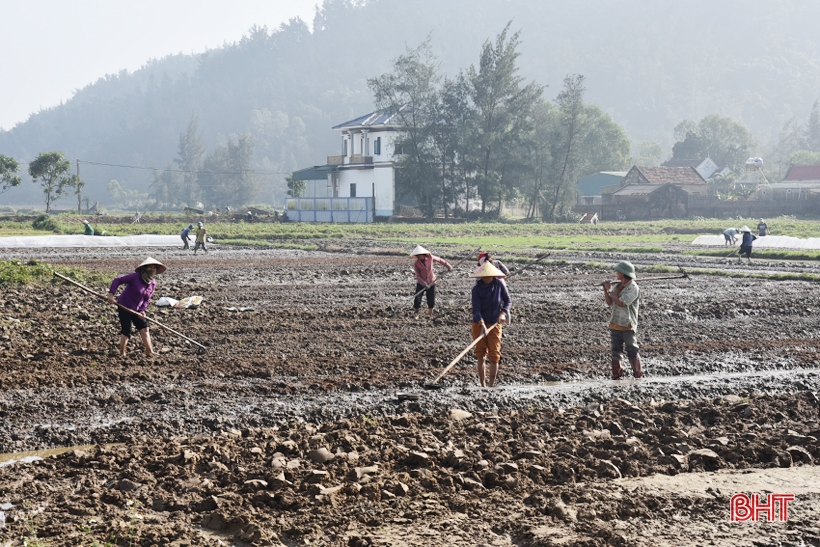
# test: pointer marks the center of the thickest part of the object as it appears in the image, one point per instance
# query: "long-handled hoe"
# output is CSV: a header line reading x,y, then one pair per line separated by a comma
x,y
91,291
445,273
434,383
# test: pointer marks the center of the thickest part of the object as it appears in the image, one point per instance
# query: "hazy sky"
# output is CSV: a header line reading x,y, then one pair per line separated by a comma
x,y
52,47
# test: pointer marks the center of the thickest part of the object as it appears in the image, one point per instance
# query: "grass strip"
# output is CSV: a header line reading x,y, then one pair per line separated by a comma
x,y
16,272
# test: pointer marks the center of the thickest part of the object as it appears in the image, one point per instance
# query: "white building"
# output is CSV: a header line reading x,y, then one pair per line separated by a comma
x,y
356,185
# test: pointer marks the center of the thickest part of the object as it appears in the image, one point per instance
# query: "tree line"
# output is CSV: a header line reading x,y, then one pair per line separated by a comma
x,y
486,136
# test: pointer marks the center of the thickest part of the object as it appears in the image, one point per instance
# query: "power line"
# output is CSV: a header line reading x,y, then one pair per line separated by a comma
x,y
252,171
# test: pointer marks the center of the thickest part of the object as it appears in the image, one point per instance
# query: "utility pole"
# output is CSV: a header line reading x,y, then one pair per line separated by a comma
x,y
79,200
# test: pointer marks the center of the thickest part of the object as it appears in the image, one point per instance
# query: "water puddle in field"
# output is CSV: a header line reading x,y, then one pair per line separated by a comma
x,y
33,455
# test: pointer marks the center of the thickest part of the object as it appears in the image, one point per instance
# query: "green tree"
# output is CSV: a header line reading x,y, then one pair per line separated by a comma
x,y
165,186
805,157
8,173
649,154
227,177
813,129
570,139
77,184
52,170
190,154
570,129
295,187
410,93
724,140
502,109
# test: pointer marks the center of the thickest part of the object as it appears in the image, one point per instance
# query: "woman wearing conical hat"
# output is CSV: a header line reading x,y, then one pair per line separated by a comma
x,y
426,277
491,306
139,286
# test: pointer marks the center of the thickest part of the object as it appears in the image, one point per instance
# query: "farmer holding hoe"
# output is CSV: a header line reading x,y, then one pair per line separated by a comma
x,y
426,277
139,286
746,244
485,256
186,237
624,301
200,237
491,309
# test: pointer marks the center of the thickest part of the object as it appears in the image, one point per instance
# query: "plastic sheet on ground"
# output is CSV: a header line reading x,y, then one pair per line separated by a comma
x,y
145,240
189,302
764,242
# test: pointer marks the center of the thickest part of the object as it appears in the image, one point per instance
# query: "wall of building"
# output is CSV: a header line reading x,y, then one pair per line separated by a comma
x,y
372,181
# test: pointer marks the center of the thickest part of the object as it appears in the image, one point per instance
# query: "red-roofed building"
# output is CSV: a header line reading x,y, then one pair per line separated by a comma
x,y
803,173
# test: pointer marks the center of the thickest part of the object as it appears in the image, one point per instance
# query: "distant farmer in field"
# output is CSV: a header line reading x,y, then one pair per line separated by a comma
x,y
426,277
485,256
730,234
186,236
89,231
491,306
200,237
624,301
139,286
746,244
762,228
136,218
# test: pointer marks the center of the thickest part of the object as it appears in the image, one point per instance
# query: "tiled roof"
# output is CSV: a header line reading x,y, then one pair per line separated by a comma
x,y
379,118
671,175
636,190
695,189
803,172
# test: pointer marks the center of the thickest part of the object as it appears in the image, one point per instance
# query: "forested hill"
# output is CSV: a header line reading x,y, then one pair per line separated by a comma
x,y
648,64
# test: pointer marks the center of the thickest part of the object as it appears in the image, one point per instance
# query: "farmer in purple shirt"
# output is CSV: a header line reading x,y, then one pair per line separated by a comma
x,y
491,308
139,286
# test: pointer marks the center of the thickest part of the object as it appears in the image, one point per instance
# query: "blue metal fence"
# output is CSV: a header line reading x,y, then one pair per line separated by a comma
x,y
330,209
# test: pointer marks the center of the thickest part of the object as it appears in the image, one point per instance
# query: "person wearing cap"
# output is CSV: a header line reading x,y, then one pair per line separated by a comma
x,y
485,256
624,301
139,286
746,244
730,234
89,231
200,237
762,228
491,309
185,235
426,277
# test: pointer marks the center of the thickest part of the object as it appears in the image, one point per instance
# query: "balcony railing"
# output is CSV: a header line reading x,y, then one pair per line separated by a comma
x,y
335,160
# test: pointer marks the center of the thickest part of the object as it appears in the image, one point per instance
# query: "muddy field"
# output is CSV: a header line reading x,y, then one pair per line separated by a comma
x,y
290,429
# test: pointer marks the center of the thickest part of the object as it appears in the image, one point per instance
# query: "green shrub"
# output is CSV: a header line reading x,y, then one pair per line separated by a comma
x,y
44,222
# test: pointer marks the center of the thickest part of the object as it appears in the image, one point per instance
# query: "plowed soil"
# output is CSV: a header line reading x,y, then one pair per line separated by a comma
x,y
307,421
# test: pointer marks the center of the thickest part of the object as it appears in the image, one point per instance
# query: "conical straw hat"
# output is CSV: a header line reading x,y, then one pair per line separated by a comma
x,y
487,270
160,266
419,250
745,229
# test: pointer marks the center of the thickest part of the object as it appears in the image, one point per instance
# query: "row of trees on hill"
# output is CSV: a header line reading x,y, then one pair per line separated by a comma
x,y
221,178
486,136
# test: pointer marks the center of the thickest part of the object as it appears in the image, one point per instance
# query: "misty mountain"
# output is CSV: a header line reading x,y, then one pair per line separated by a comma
x,y
649,65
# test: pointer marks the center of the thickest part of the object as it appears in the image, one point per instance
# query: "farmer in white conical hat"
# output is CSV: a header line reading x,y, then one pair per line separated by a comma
x,y
139,286
491,306
426,277
746,244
